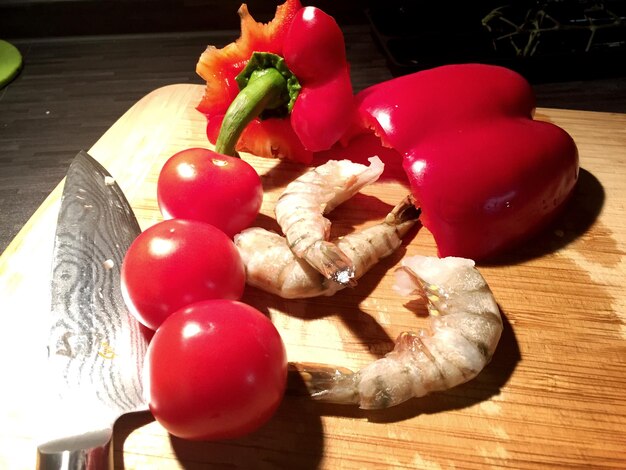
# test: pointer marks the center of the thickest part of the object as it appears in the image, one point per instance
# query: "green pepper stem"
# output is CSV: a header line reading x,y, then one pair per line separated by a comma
x,y
262,91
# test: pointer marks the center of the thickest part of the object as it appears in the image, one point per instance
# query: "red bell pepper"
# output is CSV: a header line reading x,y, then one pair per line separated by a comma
x,y
485,174
293,99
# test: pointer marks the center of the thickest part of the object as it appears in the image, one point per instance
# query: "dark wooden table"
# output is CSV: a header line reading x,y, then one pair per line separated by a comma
x,y
72,89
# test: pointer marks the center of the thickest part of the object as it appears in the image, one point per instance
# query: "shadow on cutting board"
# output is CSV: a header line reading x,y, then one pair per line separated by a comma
x,y
293,438
293,434
124,427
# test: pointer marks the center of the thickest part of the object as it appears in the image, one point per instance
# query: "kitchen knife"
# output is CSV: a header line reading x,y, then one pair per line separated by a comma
x,y
95,347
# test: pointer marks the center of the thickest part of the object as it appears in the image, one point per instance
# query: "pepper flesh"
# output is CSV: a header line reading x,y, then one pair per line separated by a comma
x,y
313,48
485,174
314,51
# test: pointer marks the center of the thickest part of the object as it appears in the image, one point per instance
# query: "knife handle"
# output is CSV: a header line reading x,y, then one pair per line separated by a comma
x,y
95,458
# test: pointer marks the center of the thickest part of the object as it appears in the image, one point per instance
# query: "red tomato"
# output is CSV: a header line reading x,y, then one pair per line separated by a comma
x,y
200,184
178,262
215,370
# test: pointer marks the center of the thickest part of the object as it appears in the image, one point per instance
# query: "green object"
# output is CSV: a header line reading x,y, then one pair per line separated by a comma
x,y
261,61
10,62
262,90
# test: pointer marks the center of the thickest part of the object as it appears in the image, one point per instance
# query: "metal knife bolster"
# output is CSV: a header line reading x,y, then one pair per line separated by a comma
x,y
95,347
99,456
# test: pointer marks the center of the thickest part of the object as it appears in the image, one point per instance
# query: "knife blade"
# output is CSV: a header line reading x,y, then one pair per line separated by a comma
x,y
95,346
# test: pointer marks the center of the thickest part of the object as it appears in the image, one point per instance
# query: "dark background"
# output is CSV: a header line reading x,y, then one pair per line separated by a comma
x,y
87,61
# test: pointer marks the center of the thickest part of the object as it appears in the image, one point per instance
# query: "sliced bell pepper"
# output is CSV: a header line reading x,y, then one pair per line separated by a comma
x,y
282,89
485,174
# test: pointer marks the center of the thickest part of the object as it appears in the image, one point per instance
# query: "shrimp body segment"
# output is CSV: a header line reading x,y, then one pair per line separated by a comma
x,y
300,212
465,327
272,266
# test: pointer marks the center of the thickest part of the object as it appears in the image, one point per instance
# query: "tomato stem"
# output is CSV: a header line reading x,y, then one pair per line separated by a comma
x,y
267,89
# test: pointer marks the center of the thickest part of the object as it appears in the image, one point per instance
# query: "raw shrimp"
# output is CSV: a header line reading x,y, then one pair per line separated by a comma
x,y
465,327
273,267
300,213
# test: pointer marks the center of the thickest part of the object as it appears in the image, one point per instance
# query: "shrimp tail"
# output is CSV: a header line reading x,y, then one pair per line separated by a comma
x,y
382,384
327,383
367,247
331,262
405,213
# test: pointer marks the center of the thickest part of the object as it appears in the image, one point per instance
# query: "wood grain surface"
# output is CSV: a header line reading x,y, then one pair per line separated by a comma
x,y
552,397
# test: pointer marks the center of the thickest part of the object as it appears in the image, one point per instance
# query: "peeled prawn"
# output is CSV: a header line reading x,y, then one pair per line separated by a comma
x,y
273,267
465,327
300,213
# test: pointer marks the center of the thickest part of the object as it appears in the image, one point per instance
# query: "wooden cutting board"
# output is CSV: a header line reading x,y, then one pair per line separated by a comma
x,y
553,395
